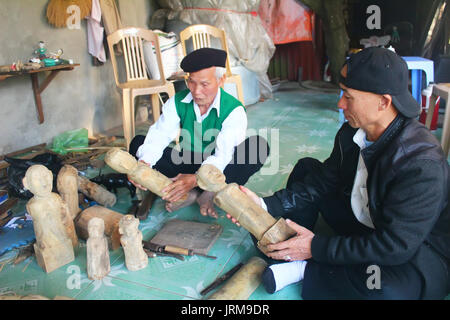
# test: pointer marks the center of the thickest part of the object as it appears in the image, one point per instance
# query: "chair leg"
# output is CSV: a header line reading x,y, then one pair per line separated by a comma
x,y
430,111
445,139
171,89
132,115
155,106
240,92
236,80
126,118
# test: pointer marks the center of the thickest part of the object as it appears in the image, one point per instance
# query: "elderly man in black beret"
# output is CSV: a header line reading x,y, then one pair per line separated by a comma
x,y
383,190
213,131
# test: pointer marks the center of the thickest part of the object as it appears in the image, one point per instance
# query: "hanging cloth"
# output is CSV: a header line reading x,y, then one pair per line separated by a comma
x,y
95,32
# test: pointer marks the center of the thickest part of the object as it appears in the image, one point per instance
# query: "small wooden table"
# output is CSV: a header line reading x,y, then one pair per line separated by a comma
x,y
442,90
38,89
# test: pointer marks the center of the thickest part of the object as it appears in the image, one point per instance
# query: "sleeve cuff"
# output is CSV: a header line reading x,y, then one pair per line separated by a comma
x,y
273,205
213,160
148,157
319,245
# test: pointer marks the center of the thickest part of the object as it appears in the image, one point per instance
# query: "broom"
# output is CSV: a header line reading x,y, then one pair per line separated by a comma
x,y
57,14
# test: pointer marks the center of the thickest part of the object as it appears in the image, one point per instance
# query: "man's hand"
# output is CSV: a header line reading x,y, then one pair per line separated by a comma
x,y
182,184
252,196
137,185
295,248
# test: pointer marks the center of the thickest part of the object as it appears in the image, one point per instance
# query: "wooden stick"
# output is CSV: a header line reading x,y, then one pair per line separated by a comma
x,y
91,148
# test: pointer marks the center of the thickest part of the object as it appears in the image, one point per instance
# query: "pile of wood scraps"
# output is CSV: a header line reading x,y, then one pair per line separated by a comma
x,y
97,147
77,158
80,159
6,204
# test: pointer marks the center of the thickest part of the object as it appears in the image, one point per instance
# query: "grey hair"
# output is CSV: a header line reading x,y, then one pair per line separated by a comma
x,y
220,72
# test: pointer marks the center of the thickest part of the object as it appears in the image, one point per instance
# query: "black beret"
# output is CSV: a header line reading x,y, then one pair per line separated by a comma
x,y
203,58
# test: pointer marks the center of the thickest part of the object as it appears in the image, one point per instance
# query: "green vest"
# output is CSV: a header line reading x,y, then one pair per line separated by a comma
x,y
201,136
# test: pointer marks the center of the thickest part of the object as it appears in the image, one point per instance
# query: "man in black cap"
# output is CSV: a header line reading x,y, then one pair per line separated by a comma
x,y
383,190
213,131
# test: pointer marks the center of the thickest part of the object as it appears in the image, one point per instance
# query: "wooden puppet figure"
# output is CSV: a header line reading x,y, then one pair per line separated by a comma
x,y
67,185
98,265
153,180
53,247
131,240
251,216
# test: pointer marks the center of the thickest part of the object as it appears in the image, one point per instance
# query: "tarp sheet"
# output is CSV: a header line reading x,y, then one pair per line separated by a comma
x,y
286,21
248,42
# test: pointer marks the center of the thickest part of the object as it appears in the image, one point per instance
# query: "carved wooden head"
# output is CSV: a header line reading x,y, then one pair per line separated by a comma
x,y
210,178
39,180
128,225
120,160
96,227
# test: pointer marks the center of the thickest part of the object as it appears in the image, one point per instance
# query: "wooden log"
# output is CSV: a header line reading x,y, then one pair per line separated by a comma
x,y
67,185
242,284
96,192
139,172
250,216
111,219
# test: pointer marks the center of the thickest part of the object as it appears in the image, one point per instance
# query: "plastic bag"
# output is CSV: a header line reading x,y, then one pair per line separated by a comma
x,y
249,44
73,139
171,55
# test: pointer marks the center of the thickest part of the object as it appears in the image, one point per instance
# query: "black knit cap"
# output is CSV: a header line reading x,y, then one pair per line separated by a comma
x,y
381,71
203,58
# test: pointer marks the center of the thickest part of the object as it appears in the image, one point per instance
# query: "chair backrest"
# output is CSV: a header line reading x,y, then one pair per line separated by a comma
x,y
201,38
132,40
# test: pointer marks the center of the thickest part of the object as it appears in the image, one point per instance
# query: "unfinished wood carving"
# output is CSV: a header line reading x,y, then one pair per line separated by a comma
x,y
98,265
251,216
53,247
131,240
67,185
111,219
242,284
139,172
96,192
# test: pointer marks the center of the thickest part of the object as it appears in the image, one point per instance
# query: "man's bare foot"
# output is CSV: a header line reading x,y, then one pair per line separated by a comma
x,y
205,201
174,206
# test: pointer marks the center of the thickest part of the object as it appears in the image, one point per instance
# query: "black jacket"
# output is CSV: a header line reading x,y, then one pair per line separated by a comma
x,y
408,187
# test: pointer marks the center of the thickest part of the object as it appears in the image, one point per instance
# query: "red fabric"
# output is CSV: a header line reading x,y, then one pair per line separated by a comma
x,y
253,13
295,55
286,21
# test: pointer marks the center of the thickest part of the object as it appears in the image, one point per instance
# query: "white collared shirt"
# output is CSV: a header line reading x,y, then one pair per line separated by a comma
x,y
359,197
166,129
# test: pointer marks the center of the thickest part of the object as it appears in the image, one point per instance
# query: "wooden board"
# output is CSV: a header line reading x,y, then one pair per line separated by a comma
x,y
188,234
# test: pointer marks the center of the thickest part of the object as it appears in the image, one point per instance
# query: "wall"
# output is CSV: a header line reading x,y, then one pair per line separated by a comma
x,y
86,97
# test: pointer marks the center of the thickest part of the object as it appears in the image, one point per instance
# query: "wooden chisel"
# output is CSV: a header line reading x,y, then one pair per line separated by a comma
x,y
186,252
173,249
221,279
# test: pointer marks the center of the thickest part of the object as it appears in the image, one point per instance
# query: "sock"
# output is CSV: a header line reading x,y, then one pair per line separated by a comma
x,y
278,276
